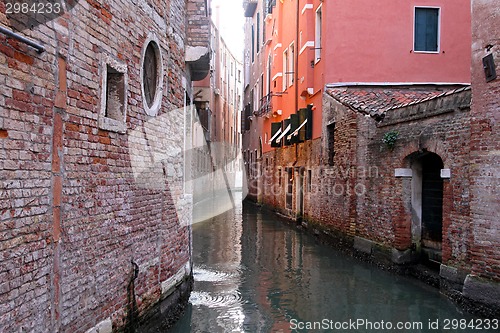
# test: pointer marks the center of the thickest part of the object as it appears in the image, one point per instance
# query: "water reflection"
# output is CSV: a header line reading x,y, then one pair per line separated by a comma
x,y
254,274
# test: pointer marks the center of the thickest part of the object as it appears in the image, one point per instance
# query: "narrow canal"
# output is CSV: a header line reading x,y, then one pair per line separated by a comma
x,y
253,273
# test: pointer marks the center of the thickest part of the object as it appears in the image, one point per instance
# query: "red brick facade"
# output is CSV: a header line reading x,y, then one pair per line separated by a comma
x,y
84,245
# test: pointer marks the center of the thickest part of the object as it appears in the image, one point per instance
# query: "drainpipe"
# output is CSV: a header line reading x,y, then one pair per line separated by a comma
x,y
40,48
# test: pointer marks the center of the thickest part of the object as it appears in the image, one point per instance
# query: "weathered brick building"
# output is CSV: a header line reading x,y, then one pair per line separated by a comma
x,y
94,211
400,169
484,281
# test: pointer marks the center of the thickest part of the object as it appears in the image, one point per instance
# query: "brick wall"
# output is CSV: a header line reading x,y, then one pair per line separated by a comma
x,y
73,216
385,211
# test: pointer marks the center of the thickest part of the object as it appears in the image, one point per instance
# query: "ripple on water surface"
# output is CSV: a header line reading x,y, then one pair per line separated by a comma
x,y
208,275
211,300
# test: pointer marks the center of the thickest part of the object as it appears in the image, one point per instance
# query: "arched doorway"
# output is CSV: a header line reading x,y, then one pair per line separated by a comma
x,y
427,205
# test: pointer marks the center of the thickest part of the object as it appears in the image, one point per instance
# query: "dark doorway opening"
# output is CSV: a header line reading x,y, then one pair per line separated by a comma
x,y
300,194
289,188
432,207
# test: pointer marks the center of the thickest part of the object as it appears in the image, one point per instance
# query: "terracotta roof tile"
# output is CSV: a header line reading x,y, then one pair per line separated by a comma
x,y
380,99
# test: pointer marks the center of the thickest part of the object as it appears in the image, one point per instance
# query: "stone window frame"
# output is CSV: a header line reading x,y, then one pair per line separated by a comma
x,y
104,122
155,107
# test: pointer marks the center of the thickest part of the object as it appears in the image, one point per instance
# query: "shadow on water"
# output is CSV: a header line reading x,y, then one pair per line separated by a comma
x,y
253,273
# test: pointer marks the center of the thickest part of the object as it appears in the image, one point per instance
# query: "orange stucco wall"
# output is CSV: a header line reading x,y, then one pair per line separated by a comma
x,y
362,41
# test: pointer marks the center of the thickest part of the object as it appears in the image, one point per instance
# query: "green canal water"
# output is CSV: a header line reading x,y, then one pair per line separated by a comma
x,y
253,273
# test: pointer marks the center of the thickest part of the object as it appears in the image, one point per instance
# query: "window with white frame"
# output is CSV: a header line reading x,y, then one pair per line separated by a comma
x,y
152,75
426,29
285,69
318,33
269,73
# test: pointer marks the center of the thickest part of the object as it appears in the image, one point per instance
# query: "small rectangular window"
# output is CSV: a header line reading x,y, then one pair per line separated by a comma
x,y
309,180
258,33
426,38
330,130
115,90
113,112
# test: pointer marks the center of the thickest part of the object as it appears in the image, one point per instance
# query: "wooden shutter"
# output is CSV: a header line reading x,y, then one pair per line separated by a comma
x,y
309,125
275,127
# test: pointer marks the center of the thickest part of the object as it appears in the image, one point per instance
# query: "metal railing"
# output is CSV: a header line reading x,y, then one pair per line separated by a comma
x,y
265,106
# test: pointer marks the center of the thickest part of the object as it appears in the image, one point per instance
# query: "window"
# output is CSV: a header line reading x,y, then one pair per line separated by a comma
x,y
151,76
115,93
285,69
113,111
426,38
269,74
250,165
253,45
256,99
289,188
309,180
317,36
258,33
263,32
291,66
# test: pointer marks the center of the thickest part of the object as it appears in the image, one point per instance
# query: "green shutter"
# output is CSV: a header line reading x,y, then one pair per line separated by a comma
x,y
309,125
275,127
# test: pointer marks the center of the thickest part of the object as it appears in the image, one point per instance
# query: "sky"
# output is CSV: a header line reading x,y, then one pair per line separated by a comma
x,y
231,24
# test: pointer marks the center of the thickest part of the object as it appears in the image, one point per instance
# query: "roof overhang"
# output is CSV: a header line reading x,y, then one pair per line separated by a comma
x,y
198,60
250,6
